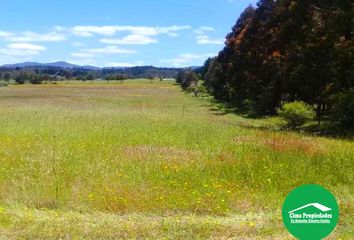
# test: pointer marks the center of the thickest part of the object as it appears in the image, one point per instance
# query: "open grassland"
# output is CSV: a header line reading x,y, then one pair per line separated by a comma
x,y
145,160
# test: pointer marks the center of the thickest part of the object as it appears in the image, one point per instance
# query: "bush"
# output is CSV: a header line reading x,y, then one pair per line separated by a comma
x,y
343,109
187,78
296,113
197,90
20,79
4,84
35,80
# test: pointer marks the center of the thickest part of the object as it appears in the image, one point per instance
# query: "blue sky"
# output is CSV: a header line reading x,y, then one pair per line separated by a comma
x,y
116,33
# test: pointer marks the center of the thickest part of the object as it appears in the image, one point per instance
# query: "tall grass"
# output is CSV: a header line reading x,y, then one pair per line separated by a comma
x,y
148,148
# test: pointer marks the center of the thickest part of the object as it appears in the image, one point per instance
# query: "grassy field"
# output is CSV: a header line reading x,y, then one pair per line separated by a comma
x,y
140,160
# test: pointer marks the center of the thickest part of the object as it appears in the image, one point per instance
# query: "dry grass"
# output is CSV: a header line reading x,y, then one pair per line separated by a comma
x,y
284,142
291,142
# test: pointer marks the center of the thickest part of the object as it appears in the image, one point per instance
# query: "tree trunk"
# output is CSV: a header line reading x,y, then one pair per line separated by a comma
x,y
319,113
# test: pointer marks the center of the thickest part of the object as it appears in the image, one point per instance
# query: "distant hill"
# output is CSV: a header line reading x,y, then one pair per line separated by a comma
x,y
60,64
66,65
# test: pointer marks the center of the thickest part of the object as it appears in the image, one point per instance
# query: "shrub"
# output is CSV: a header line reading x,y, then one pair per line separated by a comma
x,y
4,84
187,78
197,90
35,80
343,109
296,113
20,79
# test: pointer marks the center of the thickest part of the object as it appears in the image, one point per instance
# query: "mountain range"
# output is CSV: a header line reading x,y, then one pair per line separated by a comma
x,y
66,65
60,64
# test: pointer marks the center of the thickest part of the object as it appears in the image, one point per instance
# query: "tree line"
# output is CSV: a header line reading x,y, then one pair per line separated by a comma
x,y
37,75
285,51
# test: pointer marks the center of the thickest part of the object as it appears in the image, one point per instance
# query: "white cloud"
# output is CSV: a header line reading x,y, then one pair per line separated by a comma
x,y
203,39
130,40
109,50
82,55
59,28
120,64
22,49
203,30
139,63
172,31
173,34
26,46
186,59
82,62
124,64
17,52
88,31
29,36
4,34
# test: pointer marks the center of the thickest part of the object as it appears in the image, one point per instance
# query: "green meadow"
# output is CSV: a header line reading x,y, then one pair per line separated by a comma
x,y
141,159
